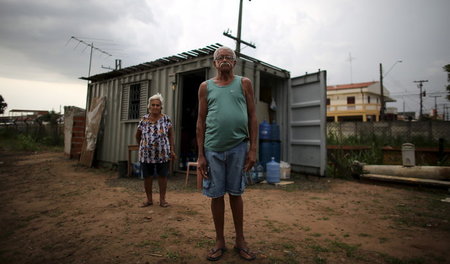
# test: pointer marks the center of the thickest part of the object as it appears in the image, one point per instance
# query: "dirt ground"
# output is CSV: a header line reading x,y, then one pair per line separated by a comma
x,y
55,211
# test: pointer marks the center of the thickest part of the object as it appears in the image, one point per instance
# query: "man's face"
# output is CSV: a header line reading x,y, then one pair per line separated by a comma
x,y
224,60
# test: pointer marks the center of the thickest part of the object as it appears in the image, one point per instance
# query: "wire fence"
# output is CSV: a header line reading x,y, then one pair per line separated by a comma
x,y
43,132
389,133
381,142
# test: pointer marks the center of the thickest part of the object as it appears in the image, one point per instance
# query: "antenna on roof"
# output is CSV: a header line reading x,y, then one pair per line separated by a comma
x,y
91,45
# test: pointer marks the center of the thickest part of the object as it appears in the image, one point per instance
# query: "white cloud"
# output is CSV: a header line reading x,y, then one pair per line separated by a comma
x,y
299,36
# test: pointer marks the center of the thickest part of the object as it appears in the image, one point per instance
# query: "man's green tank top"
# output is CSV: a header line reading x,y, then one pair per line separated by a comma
x,y
226,120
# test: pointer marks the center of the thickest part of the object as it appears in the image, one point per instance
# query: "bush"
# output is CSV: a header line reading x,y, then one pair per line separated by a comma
x,y
26,142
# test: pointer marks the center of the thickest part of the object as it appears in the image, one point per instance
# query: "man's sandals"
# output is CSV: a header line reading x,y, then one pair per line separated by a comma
x,y
164,204
245,253
213,252
146,204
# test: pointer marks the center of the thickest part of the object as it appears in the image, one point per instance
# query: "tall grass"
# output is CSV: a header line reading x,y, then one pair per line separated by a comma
x,y
14,140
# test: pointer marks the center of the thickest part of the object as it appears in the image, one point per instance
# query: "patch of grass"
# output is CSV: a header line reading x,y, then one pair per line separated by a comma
x,y
316,234
204,243
154,245
143,243
329,210
275,226
393,260
348,249
173,256
305,228
383,240
171,232
364,235
13,140
288,246
285,260
318,248
319,260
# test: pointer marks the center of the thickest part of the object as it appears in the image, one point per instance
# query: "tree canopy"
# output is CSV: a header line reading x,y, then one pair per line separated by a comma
x,y
3,105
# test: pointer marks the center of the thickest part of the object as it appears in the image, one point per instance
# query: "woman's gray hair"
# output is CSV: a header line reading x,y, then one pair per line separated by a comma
x,y
156,96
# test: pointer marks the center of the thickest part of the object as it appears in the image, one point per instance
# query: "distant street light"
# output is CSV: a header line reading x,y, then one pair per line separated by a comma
x,y
383,107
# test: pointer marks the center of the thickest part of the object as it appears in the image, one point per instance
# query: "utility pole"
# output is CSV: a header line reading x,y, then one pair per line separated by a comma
x,y
350,59
383,107
238,38
420,85
381,94
435,105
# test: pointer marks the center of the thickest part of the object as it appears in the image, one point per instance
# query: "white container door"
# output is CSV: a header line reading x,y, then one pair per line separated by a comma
x,y
307,122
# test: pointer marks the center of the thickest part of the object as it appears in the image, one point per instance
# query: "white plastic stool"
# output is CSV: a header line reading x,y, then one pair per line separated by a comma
x,y
189,164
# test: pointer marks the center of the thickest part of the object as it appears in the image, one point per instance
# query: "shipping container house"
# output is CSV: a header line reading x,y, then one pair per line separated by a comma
x,y
178,78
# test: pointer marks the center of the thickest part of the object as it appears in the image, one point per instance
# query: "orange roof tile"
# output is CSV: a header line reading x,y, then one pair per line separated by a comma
x,y
350,86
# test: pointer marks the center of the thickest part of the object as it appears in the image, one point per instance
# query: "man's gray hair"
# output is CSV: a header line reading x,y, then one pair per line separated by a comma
x,y
156,96
224,48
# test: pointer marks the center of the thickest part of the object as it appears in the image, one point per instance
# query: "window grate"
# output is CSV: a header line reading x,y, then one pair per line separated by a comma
x,y
133,107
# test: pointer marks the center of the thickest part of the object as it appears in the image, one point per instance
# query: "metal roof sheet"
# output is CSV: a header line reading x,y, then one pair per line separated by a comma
x,y
202,52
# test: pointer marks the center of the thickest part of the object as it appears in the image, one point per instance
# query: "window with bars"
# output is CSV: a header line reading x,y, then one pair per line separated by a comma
x,y
350,100
135,100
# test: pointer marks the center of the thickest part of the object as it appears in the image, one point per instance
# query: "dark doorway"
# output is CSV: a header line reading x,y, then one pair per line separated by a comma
x,y
190,83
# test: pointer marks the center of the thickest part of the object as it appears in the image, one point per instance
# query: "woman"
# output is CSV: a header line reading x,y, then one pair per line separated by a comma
x,y
156,148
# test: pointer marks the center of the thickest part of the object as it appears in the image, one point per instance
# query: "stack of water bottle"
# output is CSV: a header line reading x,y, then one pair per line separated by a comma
x,y
272,175
257,173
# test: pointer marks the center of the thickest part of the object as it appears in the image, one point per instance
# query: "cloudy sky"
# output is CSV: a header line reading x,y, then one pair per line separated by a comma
x,y
40,64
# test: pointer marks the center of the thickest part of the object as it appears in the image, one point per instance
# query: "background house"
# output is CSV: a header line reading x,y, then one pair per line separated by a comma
x,y
357,102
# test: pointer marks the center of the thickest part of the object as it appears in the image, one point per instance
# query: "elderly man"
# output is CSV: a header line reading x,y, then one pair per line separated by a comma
x,y
226,138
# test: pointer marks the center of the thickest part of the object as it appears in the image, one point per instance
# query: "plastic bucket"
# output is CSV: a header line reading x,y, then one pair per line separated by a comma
x,y
273,171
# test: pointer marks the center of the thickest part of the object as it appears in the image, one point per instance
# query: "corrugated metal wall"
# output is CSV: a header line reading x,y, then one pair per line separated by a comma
x,y
117,134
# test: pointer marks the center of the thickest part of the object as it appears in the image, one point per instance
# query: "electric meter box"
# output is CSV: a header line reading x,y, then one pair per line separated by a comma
x,y
408,155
